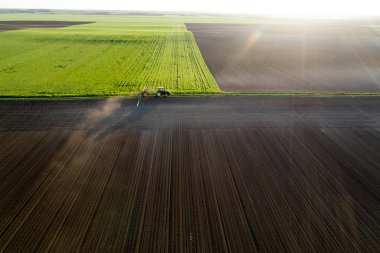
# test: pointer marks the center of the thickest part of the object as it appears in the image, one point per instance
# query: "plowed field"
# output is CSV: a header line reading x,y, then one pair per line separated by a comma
x,y
268,174
17,25
344,57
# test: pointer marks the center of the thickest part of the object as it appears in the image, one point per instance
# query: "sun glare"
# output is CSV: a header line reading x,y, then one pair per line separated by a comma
x,y
321,8
298,8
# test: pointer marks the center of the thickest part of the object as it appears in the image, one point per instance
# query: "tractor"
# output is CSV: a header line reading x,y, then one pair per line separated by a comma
x,y
161,92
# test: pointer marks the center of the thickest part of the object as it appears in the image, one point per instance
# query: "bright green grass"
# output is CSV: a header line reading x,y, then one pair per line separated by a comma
x,y
117,55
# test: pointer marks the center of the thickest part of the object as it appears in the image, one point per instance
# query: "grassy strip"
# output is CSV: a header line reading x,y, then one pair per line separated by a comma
x,y
193,94
303,94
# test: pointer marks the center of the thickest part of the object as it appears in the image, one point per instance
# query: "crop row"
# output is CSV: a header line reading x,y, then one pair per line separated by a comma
x,y
102,59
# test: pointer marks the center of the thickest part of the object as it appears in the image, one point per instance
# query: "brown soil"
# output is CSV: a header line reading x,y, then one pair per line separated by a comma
x,y
291,58
234,174
17,25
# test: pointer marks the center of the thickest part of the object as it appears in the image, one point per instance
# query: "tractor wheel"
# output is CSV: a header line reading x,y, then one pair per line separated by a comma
x,y
158,94
145,94
165,95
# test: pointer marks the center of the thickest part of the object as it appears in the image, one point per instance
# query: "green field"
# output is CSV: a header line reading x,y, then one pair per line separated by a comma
x,y
116,55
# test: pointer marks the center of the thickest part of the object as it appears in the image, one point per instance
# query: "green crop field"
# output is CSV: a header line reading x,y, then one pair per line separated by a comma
x,y
112,56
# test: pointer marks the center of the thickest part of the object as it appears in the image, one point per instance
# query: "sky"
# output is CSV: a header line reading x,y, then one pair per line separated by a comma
x,y
334,8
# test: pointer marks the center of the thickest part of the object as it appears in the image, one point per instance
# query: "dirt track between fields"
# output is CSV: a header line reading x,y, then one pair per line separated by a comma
x,y
17,25
238,174
319,57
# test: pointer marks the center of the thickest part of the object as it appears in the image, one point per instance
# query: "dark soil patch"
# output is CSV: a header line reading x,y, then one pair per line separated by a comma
x,y
17,25
227,174
319,57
